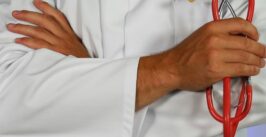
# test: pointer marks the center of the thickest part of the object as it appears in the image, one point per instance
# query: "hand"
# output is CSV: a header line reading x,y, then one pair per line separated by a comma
x,y
211,53
52,31
215,51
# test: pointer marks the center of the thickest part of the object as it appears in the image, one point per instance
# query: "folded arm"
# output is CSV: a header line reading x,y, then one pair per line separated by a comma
x,y
46,93
29,92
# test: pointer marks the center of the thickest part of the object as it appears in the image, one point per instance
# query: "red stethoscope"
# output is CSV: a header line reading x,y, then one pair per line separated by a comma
x,y
230,124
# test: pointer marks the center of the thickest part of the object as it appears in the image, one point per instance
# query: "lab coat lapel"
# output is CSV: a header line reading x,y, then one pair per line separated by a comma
x,y
113,18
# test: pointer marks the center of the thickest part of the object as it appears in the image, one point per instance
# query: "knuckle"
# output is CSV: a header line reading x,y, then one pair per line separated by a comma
x,y
254,60
247,25
24,40
257,72
24,12
210,26
16,26
251,70
213,54
50,20
256,32
257,61
241,22
44,3
242,70
239,70
246,43
212,40
245,57
210,75
262,51
212,63
38,30
254,70
212,67
21,28
62,43
60,14
48,17
213,70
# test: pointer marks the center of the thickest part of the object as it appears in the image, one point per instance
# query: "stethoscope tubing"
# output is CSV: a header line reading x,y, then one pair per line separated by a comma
x,y
230,124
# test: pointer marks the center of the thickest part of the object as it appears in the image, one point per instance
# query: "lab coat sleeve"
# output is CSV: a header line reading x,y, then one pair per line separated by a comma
x,y
44,93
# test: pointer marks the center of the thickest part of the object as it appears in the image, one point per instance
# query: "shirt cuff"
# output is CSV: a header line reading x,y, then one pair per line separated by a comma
x,y
130,96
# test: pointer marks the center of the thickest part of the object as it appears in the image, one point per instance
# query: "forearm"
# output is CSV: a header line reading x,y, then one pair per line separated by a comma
x,y
29,93
153,80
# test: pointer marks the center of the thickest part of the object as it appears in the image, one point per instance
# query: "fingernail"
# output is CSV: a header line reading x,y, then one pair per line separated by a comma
x,y
17,40
10,25
263,63
265,51
257,69
16,12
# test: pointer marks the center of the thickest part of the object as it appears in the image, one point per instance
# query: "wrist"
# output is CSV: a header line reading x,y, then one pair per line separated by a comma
x,y
154,79
167,71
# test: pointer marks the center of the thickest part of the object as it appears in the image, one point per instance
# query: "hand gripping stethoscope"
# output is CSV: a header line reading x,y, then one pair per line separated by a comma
x,y
230,124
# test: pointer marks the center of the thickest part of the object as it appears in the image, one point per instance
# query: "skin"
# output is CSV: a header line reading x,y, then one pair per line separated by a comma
x,y
52,31
216,50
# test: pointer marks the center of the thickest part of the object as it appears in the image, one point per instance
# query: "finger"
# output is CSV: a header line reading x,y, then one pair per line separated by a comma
x,y
45,21
38,44
238,70
33,43
245,44
32,31
235,26
46,8
236,56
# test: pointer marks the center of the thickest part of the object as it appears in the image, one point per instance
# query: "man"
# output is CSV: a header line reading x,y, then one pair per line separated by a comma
x,y
140,51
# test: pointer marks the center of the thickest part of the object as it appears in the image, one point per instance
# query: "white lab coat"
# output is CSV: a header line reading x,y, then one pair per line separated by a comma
x,y
46,94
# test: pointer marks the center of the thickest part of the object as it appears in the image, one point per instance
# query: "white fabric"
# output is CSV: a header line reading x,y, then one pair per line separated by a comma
x,y
46,94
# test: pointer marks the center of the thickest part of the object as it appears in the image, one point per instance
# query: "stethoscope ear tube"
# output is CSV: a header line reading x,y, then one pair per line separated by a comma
x,y
215,10
251,10
230,124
